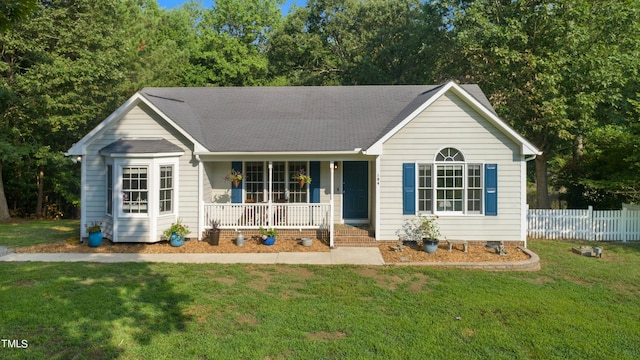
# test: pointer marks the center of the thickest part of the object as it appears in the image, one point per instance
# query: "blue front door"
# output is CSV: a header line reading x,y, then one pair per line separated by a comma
x,y
355,190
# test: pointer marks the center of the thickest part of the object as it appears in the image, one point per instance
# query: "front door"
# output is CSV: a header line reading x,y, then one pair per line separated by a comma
x,y
355,190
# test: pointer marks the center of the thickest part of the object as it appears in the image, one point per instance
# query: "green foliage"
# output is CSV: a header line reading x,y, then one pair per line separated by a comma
x,y
178,228
360,42
15,11
560,72
553,69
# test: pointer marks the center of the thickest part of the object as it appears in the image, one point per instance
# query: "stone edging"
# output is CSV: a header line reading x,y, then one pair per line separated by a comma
x,y
531,264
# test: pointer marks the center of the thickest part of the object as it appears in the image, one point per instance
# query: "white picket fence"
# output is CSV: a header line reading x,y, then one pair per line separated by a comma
x,y
580,224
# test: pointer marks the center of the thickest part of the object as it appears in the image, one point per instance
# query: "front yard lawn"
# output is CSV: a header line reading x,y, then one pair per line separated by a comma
x,y
574,308
30,232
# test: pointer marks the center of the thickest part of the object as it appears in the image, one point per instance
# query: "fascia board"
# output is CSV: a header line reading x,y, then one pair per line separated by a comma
x,y
376,148
79,148
526,147
197,146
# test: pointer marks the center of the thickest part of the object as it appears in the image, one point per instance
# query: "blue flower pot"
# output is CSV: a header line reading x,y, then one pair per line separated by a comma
x,y
176,240
269,241
95,239
430,245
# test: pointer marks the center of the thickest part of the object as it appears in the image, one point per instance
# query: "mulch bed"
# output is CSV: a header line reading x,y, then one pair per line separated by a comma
x,y
476,253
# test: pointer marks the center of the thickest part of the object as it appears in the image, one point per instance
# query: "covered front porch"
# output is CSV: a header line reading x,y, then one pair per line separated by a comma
x,y
269,195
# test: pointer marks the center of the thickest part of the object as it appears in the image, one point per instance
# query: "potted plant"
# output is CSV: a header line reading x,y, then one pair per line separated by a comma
x,y
234,176
95,234
214,233
268,235
176,233
421,228
301,177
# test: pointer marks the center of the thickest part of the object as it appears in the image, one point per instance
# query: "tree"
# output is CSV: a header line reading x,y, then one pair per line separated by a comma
x,y
15,11
231,42
548,66
360,42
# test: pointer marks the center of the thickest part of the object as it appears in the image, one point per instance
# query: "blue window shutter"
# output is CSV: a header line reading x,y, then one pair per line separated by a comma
x,y
314,187
408,188
491,189
236,192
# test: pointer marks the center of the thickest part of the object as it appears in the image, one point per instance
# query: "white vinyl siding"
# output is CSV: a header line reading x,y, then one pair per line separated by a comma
x,y
450,122
141,120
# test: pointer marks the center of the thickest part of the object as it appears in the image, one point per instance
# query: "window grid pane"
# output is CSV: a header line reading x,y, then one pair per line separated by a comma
x,y
297,194
425,189
474,188
450,187
166,189
254,181
134,189
279,180
110,189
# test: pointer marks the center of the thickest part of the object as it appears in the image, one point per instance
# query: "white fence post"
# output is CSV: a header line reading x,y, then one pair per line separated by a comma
x,y
588,224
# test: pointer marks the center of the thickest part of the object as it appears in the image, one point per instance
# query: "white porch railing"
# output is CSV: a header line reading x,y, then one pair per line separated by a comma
x,y
282,216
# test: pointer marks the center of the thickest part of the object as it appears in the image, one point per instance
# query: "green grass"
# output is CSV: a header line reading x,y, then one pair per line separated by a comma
x,y
23,233
574,308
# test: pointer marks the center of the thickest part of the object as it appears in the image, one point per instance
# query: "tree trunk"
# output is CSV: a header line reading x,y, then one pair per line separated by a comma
x,y
40,193
542,185
4,208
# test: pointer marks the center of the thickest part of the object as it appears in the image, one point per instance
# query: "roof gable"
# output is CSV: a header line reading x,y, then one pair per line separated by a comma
x,y
79,148
472,95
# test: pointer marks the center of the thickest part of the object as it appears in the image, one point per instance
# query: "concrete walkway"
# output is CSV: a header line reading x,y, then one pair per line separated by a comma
x,y
342,255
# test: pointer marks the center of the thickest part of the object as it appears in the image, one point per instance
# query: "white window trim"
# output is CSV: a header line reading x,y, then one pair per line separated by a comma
x,y
266,179
174,188
109,162
434,189
153,186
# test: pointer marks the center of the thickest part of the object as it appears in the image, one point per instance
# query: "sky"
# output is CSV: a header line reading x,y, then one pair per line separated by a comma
x,y
168,4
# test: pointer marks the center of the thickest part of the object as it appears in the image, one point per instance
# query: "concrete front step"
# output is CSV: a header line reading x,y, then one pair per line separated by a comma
x,y
355,241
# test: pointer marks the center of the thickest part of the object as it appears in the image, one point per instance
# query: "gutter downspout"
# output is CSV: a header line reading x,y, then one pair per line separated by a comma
x,y
524,205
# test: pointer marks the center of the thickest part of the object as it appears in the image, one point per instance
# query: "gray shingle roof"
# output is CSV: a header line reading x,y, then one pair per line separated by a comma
x,y
272,119
140,146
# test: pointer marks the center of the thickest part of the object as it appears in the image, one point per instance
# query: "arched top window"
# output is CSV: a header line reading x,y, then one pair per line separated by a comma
x,y
449,154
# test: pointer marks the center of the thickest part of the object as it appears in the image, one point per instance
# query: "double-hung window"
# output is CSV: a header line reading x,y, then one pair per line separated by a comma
x,y
109,189
166,189
254,181
450,184
135,193
283,187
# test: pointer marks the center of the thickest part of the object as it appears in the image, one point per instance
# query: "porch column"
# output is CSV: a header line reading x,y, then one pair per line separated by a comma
x,y
269,200
331,207
201,224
